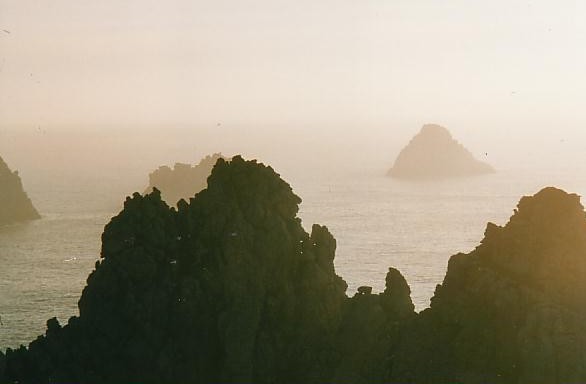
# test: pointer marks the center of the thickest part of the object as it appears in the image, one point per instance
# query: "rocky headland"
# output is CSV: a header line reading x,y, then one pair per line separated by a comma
x,y
229,288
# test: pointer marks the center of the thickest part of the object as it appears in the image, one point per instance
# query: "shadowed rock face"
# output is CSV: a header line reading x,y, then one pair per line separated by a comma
x,y
15,205
434,154
229,288
513,310
183,180
370,332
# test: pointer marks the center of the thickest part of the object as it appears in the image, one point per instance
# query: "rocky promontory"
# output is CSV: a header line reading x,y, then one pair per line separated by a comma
x,y
183,180
512,310
15,206
230,288
434,154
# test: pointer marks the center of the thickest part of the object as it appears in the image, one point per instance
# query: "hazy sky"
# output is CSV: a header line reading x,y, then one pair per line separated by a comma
x,y
263,62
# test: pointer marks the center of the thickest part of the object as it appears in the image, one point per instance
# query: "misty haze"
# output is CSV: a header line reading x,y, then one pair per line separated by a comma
x,y
292,192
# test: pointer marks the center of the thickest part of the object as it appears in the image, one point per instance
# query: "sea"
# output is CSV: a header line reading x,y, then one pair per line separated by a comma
x,y
379,222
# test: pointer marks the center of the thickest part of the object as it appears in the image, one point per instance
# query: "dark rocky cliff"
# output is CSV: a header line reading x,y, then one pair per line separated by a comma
x,y
513,310
229,288
434,154
15,205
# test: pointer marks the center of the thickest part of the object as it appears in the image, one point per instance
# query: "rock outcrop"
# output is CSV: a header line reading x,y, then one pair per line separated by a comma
x,y
183,180
15,206
226,288
434,154
514,309
371,331
229,288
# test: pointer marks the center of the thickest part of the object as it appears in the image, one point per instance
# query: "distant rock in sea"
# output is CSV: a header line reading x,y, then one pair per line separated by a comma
x,y
182,181
15,206
434,154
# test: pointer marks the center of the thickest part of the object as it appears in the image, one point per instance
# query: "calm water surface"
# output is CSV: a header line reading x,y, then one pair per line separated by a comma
x,y
378,222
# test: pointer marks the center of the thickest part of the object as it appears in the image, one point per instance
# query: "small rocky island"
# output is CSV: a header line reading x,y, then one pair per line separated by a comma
x,y
434,154
230,288
183,180
15,206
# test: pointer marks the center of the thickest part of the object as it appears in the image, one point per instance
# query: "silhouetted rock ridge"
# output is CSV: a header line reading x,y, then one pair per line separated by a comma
x,y
434,154
514,309
229,288
15,205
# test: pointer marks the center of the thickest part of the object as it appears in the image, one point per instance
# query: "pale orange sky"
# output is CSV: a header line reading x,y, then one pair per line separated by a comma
x,y
293,62
286,79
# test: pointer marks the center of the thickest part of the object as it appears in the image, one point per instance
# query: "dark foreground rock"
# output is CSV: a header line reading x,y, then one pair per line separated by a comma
x,y
229,288
183,180
15,205
434,154
513,310
370,332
